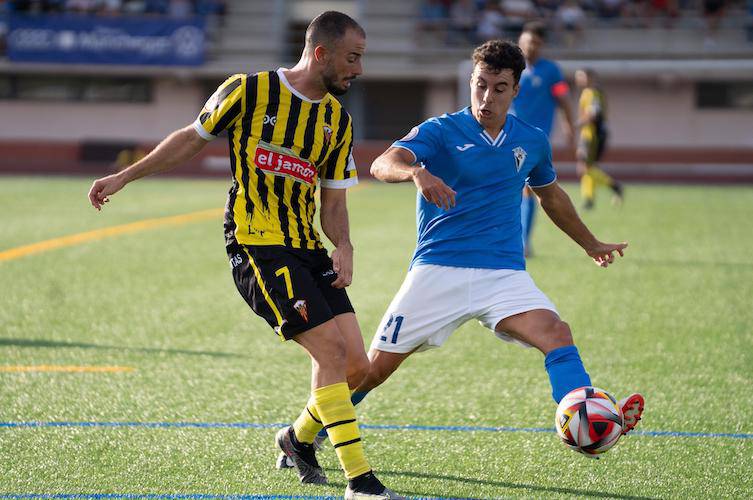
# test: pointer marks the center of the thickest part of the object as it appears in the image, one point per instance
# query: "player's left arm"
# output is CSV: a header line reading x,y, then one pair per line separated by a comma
x,y
557,205
339,174
335,224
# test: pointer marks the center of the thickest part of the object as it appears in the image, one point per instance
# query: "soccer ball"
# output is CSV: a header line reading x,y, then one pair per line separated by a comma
x,y
589,421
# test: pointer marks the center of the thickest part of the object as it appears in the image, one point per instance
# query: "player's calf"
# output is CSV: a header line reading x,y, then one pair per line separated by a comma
x,y
357,371
382,365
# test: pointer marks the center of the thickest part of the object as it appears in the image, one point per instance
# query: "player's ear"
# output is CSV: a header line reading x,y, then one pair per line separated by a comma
x,y
320,53
515,90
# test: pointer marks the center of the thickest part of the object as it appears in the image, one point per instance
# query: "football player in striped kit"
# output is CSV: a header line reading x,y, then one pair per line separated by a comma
x,y
287,134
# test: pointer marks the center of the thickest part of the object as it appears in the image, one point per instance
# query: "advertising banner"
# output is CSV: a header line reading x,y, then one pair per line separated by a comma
x,y
77,39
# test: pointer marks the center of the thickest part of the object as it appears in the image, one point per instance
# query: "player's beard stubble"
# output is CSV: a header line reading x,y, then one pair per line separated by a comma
x,y
330,79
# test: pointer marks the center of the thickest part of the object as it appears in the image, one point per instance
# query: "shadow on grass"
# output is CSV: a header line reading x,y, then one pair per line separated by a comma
x,y
530,489
401,491
82,345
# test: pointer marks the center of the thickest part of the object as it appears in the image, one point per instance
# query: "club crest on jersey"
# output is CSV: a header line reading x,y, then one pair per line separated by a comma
x,y
327,135
520,157
212,102
410,135
302,309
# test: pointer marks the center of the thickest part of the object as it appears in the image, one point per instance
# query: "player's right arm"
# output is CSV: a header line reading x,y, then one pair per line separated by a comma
x,y
177,148
404,162
397,165
220,112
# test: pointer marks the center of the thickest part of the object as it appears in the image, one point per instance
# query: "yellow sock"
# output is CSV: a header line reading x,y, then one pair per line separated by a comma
x,y
339,418
308,423
587,186
600,177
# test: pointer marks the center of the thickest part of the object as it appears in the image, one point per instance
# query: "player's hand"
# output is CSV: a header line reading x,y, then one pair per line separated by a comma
x,y
342,264
433,189
102,188
603,253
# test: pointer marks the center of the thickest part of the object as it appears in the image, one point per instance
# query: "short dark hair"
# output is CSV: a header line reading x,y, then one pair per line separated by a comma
x,y
498,55
536,28
330,26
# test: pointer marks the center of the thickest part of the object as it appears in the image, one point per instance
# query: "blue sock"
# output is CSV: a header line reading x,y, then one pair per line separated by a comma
x,y
355,398
566,371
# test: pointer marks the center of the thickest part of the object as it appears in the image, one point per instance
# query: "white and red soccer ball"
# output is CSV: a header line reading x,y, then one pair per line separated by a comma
x,y
589,421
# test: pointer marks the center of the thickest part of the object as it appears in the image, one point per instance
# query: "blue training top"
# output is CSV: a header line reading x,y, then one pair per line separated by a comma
x,y
536,102
483,230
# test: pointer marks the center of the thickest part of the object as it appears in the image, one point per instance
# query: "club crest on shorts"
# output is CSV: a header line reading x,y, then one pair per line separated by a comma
x,y
302,309
520,157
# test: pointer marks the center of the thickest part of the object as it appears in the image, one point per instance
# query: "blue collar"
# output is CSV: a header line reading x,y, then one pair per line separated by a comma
x,y
489,140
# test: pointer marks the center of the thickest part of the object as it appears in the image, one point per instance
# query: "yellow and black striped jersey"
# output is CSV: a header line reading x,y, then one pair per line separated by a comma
x,y
281,145
593,103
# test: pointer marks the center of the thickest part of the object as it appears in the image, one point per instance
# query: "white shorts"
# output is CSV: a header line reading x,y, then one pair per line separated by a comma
x,y
434,301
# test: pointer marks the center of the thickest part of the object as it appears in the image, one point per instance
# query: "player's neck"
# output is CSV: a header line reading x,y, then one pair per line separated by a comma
x,y
305,81
494,130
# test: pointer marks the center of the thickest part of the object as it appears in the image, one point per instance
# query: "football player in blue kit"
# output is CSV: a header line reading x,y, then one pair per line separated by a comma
x,y
543,89
469,168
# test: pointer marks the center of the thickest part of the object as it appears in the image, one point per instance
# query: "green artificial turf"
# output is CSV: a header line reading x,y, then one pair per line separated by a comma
x,y
673,319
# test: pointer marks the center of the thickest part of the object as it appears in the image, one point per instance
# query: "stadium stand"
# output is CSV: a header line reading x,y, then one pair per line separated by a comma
x,y
677,73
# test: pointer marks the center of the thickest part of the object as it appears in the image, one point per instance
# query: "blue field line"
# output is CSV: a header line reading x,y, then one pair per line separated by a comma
x,y
382,427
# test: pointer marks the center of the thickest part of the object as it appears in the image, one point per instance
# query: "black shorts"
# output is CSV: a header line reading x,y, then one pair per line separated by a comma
x,y
291,288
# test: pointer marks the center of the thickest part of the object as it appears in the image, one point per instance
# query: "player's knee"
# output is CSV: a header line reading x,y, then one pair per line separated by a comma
x,y
561,334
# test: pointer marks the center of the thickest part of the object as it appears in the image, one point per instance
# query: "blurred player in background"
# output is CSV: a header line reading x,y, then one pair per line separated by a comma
x,y
543,89
592,120
470,168
286,133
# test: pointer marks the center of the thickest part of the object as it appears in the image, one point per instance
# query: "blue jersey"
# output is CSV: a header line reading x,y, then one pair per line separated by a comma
x,y
483,230
540,85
